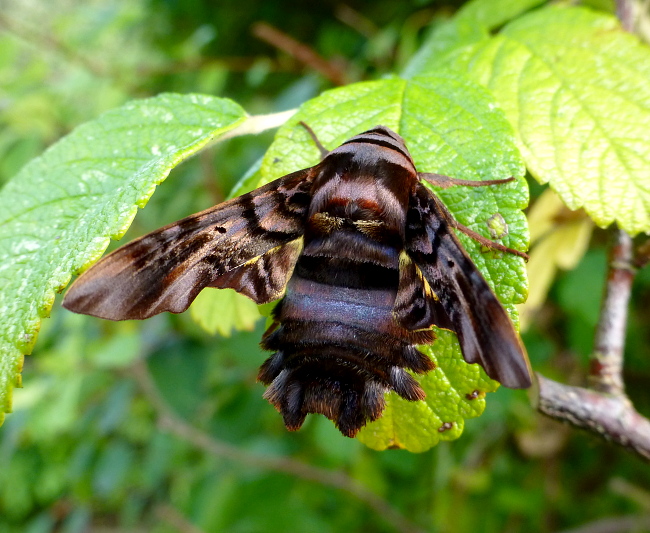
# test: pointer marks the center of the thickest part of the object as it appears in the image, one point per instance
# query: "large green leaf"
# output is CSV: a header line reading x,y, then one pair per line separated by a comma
x,y
580,105
471,24
59,213
451,126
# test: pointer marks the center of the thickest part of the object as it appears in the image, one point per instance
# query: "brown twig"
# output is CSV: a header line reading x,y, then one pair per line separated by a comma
x,y
604,408
300,51
606,362
169,421
625,13
355,20
611,417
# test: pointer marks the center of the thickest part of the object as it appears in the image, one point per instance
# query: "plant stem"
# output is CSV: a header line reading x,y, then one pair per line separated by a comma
x,y
604,408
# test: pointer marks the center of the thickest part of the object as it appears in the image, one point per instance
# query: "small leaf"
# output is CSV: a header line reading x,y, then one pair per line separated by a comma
x,y
222,311
451,126
580,106
59,213
455,391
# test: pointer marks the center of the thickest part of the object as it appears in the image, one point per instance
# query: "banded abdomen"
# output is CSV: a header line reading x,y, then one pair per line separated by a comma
x,y
338,347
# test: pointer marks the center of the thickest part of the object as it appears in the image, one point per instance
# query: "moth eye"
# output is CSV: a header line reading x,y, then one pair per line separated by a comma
x,y
450,263
221,230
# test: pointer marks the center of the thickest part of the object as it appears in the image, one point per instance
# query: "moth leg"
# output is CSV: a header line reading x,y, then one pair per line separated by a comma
x,y
487,242
444,182
478,237
323,151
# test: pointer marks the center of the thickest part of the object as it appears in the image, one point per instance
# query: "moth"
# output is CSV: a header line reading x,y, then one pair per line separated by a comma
x,y
364,260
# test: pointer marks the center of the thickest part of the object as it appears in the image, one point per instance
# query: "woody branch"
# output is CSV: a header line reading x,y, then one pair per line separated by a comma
x,y
604,408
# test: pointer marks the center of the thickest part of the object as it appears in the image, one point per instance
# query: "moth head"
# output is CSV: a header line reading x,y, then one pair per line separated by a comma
x,y
379,133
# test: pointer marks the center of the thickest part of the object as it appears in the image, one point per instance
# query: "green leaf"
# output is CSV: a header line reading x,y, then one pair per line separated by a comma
x,y
471,24
455,391
59,213
452,127
580,106
222,311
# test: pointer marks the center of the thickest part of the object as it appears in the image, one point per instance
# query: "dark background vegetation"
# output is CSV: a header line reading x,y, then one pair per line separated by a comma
x,y
87,447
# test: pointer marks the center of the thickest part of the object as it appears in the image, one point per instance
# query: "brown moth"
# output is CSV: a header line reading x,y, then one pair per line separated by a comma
x,y
365,259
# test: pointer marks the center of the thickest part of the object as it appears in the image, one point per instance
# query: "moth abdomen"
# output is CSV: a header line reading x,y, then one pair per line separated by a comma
x,y
338,348
369,349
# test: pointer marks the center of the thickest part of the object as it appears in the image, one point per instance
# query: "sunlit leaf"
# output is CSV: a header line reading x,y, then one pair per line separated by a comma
x,y
59,213
580,106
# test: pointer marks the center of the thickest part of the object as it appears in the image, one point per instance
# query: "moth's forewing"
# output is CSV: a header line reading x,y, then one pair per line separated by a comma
x,y
456,286
221,247
264,278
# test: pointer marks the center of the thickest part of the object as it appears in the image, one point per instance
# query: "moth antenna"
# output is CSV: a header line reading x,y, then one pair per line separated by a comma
x,y
323,151
444,182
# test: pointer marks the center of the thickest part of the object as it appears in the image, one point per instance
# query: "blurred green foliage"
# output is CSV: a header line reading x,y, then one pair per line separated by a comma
x,y
86,449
